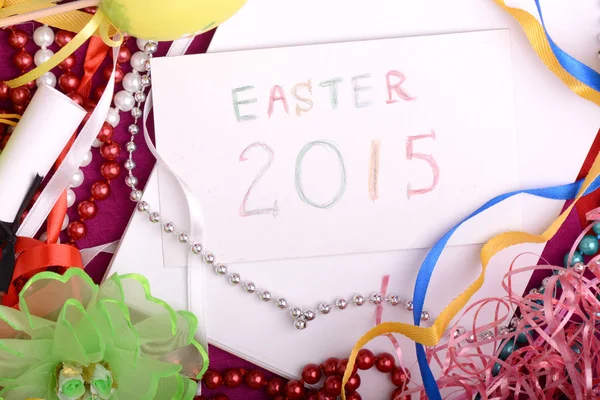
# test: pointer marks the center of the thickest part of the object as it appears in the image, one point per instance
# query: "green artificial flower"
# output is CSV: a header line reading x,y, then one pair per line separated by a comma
x,y
74,340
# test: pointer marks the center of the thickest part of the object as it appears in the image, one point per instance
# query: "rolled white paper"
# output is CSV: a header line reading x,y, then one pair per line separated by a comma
x,y
42,133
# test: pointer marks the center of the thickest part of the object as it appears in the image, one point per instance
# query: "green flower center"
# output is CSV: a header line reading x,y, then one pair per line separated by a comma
x,y
73,388
75,382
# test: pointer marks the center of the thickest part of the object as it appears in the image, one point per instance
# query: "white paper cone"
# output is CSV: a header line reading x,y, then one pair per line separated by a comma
x,y
44,130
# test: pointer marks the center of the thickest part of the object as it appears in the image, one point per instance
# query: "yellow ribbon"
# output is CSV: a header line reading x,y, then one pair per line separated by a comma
x,y
75,21
7,119
537,37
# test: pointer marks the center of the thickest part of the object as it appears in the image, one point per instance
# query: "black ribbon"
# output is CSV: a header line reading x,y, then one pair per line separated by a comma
x,y
8,236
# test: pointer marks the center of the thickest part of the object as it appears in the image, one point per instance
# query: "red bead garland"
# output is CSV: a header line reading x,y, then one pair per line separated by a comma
x,y
312,374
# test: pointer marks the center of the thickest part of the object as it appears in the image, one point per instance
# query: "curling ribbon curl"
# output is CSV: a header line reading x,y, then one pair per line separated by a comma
x,y
581,79
98,23
432,335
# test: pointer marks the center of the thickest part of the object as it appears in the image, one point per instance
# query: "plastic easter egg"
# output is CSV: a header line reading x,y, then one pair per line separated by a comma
x,y
168,19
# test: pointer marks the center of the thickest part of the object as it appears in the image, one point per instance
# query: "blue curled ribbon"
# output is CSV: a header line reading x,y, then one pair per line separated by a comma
x,y
574,67
562,192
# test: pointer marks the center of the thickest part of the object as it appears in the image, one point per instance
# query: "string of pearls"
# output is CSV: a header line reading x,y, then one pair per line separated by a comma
x,y
300,316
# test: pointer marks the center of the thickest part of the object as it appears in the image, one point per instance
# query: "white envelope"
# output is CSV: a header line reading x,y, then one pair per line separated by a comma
x,y
555,129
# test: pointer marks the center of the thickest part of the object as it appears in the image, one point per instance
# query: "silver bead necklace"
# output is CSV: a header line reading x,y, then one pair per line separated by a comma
x,y
300,316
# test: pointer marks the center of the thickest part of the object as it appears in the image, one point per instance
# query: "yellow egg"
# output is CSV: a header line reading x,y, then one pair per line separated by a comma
x,y
168,19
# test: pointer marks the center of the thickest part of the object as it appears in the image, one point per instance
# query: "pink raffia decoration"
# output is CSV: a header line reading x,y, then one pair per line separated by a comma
x,y
559,351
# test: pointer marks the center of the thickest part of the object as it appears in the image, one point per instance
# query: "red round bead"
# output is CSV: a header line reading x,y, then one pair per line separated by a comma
x,y
233,377
333,385
119,74
68,63
365,359
110,170
341,367
89,103
311,374
330,366
77,230
19,108
385,362
23,60
87,209
221,397
99,91
354,396
101,190
396,395
294,390
31,85
275,386
212,379
110,151
323,395
399,377
63,37
4,91
255,379
17,39
68,82
76,97
20,95
124,55
106,133
353,384
311,395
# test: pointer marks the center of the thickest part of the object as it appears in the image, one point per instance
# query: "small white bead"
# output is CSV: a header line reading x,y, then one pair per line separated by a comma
x,y
65,223
141,44
324,308
221,269
113,117
234,279
131,181
47,79
281,303
71,197
424,316
129,164
169,227
136,112
140,96
341,304
150,48
87,159
43,36
138,61
209,258
131,147
132,82
136,195
183,238
77,179
409,305
300,324
358,300
41,56
146,80
124,101
97,143
154,217
265,295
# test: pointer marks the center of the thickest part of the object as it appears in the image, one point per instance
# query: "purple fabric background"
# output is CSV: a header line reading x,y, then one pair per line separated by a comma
x,y
114,213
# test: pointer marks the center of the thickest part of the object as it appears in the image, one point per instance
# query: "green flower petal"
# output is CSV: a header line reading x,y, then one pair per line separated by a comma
x,y
38,382
46,293
17,356
191,387
141,381
170,388
76,338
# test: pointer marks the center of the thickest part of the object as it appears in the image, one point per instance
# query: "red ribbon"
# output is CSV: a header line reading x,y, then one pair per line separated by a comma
x,y
34,256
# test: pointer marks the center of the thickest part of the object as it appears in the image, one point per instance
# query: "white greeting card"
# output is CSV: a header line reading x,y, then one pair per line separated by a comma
x,y
342,148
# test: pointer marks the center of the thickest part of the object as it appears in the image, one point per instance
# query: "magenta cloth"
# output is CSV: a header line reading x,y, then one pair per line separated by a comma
x,y
115,212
